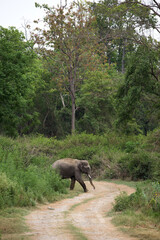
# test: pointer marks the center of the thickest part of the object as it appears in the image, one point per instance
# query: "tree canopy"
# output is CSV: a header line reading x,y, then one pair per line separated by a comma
x,y
90,67
71,40
19,78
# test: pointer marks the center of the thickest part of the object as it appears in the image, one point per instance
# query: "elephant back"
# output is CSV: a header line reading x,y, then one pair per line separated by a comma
x,y
68,161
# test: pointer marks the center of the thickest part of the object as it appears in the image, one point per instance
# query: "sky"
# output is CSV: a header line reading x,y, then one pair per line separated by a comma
x,y
17,12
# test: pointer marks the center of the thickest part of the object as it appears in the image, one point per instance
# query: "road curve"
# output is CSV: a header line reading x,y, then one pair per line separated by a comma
x,y
81,217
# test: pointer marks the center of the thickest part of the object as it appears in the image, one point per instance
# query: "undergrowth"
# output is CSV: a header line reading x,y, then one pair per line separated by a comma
x,y
139,211
26,176
147,199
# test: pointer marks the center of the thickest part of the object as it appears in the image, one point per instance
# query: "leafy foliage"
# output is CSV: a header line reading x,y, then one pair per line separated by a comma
x,y
95,103
71,80
25,180
70,39
147,199
25,163
20,76
117,22
138,97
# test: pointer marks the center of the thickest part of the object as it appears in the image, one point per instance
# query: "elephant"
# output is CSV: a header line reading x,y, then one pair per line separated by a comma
x,y
73,168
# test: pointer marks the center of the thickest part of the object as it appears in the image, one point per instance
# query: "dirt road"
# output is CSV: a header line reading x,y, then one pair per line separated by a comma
x,y
82,217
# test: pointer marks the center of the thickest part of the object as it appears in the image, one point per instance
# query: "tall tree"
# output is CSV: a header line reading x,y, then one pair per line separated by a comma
x,y
69,38
19,78
95,101
118,22
54,112
139,95
152,5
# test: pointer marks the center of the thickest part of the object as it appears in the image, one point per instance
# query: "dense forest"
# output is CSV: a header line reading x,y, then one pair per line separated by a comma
x,y
91,68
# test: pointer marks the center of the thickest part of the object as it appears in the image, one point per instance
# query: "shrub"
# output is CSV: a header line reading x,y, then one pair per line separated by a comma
x,y
25,178
146,199
131,147
153,196
11,193
81,152
30,186
135,200
137,165
7,190
140,166
121,202
81,146
153,140
155,158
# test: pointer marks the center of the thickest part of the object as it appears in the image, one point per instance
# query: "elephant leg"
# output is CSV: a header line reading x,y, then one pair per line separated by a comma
x,y
73,180
79,179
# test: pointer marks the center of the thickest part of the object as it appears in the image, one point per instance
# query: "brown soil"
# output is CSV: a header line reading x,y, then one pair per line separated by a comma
x,y
85,214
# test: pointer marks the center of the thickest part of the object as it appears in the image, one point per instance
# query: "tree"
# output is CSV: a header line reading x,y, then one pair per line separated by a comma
x,y
153,6
19,78
96,108
139,95
70,39
53,114
118,23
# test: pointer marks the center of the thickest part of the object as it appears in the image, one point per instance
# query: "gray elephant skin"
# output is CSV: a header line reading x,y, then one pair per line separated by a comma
x,y
73,168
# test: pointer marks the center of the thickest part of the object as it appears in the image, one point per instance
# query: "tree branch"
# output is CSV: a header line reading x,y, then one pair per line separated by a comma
x,y
148,6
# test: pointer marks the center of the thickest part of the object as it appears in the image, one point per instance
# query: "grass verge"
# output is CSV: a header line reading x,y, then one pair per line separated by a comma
x,y
12,220
76,232
139,214
136,224
12,223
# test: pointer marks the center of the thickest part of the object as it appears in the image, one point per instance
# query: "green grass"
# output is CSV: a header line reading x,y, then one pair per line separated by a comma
x,y
137,224
78,204
139,213
76,232
73,229
27,179
12,223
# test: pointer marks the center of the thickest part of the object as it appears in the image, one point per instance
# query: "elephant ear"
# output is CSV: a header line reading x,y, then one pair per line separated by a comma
x,y
80,166
83,165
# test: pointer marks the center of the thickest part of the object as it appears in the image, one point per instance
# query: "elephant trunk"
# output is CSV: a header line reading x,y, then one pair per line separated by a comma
x,y
90,179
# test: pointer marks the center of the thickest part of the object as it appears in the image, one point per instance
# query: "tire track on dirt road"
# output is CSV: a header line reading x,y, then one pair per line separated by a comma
x,y
81,217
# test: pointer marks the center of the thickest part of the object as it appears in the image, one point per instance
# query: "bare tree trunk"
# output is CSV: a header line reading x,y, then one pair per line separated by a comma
x,y
62,99
123,58
73,116
73,107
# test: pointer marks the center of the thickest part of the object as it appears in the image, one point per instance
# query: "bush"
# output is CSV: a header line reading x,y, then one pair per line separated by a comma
x,y
81,146
121,202
26,179
29,187
7,190
135,200
131,147
140,166
153,140
12,194
153,196
137,165
146,199
26,162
